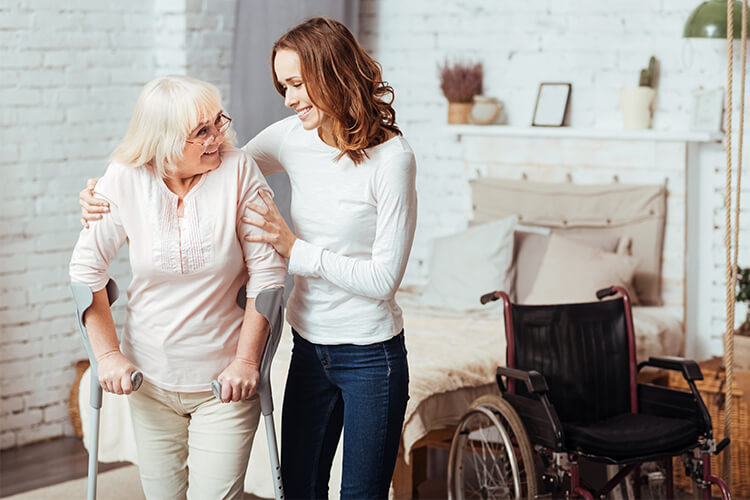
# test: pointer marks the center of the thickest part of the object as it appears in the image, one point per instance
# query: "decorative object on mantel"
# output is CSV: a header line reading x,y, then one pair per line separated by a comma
x,y
552,102
487,110
711,20
460,82
637,103
708,110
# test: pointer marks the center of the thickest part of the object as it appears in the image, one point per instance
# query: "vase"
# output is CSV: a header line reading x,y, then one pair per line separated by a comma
x,y
637,107
459,112
486,110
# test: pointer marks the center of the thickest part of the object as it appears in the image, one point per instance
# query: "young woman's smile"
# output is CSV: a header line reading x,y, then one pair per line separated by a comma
x,y
289,75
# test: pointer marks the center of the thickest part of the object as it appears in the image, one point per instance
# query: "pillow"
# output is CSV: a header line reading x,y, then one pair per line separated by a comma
x,y
466,265
637,212
572,271
530,246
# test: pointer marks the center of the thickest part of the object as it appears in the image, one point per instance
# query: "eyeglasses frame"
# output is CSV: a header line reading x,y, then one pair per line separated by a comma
x,y
219,132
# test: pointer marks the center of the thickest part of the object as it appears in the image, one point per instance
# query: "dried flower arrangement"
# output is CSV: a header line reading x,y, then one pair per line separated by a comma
x,y
459,81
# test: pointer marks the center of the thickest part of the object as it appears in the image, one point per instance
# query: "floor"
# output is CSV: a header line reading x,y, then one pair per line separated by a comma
x,y
61,459
42,464
46,463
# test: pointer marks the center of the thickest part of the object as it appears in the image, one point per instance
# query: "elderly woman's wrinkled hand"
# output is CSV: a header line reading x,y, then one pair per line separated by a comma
x,y
239,380
91,208
114,371
276,231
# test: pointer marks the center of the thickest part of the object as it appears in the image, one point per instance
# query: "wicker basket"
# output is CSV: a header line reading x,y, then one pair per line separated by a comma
x,y
712,391
73,407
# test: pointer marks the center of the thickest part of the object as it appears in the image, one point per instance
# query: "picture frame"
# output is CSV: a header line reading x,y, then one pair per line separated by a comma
x,y
708,110
552,102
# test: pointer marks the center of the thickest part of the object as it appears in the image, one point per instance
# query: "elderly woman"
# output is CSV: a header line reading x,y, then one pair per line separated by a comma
x,y
177,190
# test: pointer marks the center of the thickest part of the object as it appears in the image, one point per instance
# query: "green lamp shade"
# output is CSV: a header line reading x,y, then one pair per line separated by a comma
x,y
709,20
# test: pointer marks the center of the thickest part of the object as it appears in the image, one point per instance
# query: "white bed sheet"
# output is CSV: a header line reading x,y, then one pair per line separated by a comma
x,y
453,357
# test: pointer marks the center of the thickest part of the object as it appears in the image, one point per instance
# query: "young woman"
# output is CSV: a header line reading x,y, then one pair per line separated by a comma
x,y
354,207
189,259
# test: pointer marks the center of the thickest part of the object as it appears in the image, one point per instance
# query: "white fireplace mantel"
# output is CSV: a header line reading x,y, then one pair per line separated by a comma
x,y
584,133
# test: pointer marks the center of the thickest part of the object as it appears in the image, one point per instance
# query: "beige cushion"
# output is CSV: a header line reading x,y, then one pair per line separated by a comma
x,y
529,250
572,271
466,265
626,211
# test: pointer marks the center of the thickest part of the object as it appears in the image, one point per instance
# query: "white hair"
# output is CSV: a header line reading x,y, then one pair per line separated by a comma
x,y
168,109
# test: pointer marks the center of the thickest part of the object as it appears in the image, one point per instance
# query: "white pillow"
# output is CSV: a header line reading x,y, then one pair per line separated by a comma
x,y
572,271
466,265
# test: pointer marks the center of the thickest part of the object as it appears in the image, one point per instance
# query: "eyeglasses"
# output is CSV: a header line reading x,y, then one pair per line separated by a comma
x,y
220,126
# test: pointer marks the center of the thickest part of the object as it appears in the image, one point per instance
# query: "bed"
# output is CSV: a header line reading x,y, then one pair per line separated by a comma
x,y
455,344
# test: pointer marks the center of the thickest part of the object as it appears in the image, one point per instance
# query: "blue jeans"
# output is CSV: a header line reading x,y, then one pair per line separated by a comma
x,y
362,388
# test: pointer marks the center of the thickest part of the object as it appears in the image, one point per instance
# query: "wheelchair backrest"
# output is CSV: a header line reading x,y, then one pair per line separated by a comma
x,y
583,352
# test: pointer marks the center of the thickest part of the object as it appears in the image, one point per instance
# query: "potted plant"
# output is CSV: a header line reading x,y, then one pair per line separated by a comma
x,y
743,295
460,82
742,334
637,103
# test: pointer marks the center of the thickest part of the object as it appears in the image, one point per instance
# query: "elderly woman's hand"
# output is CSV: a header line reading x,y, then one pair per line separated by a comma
x,y
91,208
239,380
114,371
277,233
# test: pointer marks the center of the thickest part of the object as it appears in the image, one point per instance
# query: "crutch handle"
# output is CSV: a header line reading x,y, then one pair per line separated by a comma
x,y
136,378
216,388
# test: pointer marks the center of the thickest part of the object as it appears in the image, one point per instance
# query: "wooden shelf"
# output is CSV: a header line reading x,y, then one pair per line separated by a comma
x,y
579,133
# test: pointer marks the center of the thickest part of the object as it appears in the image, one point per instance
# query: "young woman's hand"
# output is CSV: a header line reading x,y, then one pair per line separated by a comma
x,y
114,371
239,380
277,233
91,208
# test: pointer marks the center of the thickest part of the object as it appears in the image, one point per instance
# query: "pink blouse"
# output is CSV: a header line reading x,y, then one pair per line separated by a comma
x,y
182,324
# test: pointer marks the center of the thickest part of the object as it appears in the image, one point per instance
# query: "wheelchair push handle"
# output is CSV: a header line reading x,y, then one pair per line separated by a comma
x,y
605,292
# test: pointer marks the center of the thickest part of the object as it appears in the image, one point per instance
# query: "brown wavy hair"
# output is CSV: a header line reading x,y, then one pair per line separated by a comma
x,y
344,82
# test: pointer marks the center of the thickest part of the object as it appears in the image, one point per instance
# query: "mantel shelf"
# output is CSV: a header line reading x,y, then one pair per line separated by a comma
x,y
581,133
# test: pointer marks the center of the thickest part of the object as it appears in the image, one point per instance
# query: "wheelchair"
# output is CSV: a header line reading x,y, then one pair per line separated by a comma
x,y
569,392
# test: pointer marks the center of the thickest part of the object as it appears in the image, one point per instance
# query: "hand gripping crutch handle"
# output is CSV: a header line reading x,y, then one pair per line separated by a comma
x,y
83,298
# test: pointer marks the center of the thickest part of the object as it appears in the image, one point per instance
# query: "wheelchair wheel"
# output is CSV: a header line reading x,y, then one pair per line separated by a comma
x,y
490,455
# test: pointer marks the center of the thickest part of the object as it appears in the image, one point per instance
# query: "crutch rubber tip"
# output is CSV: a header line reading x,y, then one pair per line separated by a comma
x,y
216,388
136,378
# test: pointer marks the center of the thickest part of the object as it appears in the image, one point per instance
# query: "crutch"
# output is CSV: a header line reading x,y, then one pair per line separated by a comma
x,y
269,303
83,298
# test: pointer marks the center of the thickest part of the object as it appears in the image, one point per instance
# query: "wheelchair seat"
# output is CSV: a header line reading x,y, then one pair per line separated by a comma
x,y
631,435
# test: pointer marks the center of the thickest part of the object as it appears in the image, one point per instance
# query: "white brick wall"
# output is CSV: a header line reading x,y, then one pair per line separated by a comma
x,y
598,47
71,72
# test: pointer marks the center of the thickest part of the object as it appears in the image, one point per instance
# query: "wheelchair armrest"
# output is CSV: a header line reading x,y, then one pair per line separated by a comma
x,y
536,411
689,368
535,381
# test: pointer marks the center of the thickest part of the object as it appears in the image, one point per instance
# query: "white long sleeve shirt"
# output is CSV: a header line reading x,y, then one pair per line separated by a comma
x,y
183,323
355,227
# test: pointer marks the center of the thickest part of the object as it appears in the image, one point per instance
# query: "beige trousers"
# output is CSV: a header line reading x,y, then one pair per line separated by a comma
x,y
191,445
